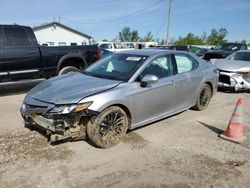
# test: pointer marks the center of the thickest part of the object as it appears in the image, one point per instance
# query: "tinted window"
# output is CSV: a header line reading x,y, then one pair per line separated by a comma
x,y
229,46
116,66
160,67
185,63
244,47
16,37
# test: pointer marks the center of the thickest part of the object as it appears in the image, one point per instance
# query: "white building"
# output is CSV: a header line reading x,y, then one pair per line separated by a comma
x,y
57,34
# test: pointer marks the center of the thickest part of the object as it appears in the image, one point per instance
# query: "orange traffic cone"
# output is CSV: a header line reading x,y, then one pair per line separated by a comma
x,y
234,130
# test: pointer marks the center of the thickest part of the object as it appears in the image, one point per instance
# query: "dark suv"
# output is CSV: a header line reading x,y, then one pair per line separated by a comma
x,y
224,50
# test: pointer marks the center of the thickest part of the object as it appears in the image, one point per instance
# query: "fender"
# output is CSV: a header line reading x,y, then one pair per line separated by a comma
x,y
71,55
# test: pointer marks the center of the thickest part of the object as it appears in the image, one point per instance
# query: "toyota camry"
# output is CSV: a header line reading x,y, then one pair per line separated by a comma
x,y
123,91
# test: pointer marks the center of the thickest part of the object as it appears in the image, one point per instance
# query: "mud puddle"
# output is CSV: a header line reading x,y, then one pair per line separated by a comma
x,y
134,139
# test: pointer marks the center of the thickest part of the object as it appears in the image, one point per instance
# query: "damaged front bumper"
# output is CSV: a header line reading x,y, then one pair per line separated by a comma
x,y
234,80
56,126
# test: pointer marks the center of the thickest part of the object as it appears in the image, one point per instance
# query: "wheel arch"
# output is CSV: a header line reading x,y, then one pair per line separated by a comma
x,y
126,110
72,60
211,86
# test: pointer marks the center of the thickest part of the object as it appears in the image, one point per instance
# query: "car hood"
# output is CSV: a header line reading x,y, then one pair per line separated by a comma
x,y
232,65
70,88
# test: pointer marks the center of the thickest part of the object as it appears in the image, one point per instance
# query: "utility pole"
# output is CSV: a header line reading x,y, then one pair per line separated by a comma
x,y
59,18
168,27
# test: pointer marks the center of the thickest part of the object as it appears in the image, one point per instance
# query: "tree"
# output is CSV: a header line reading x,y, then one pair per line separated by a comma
x,y
204,37
126,35
149,37
217,36
104,40
135,36
244,41
190,39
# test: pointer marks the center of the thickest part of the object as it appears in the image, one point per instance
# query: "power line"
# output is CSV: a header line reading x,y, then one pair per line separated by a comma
x,y
119,18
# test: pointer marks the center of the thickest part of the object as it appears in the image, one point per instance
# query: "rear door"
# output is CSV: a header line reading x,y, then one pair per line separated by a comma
x,y
22,55
3,69
188,79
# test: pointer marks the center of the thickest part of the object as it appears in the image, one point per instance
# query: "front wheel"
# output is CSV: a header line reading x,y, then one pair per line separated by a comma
x,y
203,98
68,69
107,129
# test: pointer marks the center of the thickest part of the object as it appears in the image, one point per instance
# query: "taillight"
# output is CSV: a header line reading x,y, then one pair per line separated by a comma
x,y
98,54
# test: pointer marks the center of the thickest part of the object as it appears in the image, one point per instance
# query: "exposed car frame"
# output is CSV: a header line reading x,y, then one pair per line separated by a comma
x,y
234,74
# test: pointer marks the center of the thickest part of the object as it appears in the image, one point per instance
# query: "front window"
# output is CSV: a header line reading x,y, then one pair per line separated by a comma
x,y
241,56
160,67
116,66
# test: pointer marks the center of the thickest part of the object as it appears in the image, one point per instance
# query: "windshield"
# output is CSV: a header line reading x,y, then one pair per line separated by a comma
x,y
229,46
242,56
116,66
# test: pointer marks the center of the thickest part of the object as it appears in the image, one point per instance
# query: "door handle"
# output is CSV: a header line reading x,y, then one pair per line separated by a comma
x,y
171,83
32,52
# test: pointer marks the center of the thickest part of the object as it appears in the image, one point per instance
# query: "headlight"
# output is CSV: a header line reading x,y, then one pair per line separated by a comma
x,y
66,109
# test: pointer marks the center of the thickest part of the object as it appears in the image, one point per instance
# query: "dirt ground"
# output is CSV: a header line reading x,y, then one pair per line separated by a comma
x,y
181,151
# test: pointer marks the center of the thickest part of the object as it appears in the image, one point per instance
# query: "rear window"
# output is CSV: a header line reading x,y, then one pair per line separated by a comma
x,y
16,37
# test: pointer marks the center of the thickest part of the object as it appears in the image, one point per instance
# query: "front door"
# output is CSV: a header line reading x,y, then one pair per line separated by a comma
x,y
155,100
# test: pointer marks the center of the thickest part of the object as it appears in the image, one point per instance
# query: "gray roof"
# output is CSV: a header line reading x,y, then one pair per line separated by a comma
x,y
63,26
150,52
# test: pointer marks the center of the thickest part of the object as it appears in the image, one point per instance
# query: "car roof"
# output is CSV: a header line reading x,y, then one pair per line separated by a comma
x,y
146,52
151,52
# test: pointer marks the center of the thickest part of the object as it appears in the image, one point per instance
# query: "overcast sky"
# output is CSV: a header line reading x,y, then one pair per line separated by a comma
x,y
105,18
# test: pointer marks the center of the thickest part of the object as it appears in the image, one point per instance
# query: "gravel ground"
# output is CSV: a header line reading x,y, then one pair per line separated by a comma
x,y
181,151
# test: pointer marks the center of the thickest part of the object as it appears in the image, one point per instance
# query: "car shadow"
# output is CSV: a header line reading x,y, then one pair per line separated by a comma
x,y
19,87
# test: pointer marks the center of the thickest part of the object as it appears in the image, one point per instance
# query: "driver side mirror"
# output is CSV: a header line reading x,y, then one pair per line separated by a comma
x,y
149,79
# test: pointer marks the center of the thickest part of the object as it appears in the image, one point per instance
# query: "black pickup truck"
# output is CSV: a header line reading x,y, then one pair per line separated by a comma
x,y
224,50
21,57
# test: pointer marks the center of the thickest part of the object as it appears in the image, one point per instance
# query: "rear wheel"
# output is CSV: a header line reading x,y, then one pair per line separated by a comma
x,y
68,69
107,129
204,97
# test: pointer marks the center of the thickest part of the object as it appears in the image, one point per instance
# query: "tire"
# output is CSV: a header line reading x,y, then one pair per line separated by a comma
x,y
203,98
68,69
107,129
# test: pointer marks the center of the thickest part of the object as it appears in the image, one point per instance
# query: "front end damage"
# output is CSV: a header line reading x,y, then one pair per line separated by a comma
x,y
59,122
235,80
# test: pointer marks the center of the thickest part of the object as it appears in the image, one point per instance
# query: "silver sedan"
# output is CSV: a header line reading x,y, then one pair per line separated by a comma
x,y
123,91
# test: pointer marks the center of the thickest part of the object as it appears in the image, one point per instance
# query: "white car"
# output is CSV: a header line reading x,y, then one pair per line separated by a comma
x,y
110,46
234,70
